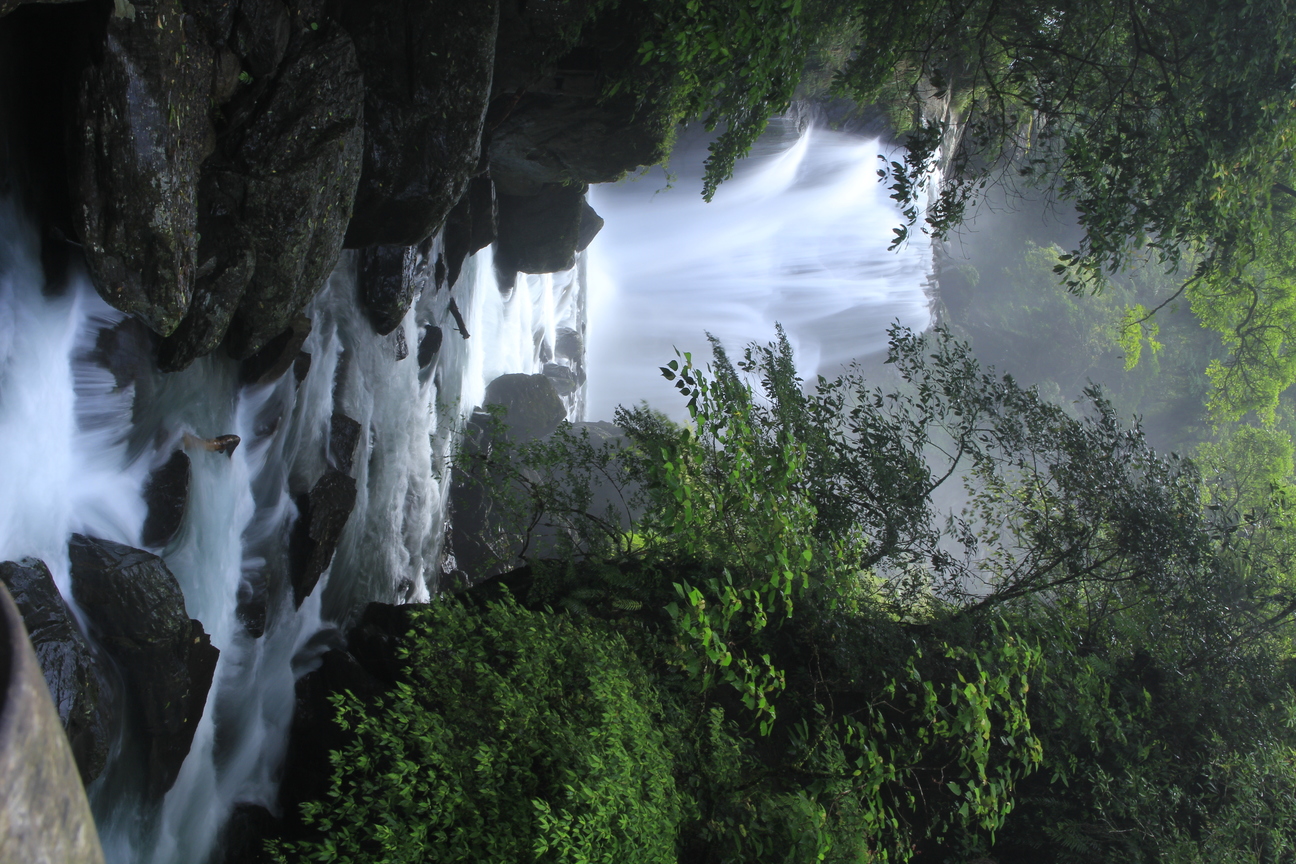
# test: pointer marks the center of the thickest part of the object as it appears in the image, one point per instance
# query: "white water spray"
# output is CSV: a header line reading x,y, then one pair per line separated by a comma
x,y
798,237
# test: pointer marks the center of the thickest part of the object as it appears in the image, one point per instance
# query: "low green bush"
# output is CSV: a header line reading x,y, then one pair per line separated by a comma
x,y
517,736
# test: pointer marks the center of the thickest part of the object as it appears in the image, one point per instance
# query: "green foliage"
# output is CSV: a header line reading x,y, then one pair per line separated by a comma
x,y
516,736
787,653
733,62
1164,122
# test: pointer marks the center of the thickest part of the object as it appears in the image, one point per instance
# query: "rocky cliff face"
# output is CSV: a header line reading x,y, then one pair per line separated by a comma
x,y
209,158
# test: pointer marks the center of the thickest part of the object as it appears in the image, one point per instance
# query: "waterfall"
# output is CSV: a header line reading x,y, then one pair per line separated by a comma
x,y
82,425
798,237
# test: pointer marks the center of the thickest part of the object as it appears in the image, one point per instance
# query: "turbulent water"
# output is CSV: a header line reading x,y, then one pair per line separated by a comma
x,y
84,417
798,237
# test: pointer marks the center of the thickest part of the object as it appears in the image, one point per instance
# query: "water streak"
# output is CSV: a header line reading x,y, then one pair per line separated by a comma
x,y
799,237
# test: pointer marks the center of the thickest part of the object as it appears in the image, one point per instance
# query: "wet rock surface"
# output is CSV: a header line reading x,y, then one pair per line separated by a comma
x,y
137,613
290,180
532,408
427,69
282,352
429,345
542,233
323,515
563,378
344,436
142,128
79,683
166,495
547,139
470,227
390,278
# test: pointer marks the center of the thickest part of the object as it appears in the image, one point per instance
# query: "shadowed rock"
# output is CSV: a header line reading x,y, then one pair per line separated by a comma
x,y
141,130
470,227
281,352
293,175
547,139
390,278
429,345
137,612
542,233
323,515
344,435
166,494
427,70
531,405
78,683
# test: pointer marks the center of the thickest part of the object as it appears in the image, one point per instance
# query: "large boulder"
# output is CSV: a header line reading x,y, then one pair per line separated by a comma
x,y
141,130
532,407
78,682
533,39
275,196
294,171
427,69
137,613
541,233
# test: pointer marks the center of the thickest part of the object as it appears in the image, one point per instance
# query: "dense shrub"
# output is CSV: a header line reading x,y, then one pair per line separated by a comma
x,y
516,737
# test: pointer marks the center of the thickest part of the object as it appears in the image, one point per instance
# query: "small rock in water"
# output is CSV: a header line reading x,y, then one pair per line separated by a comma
x,y
324,514
301,366
344,435
429,345
78,682
562,377
251,603
569,344
281,352
137,611
166,494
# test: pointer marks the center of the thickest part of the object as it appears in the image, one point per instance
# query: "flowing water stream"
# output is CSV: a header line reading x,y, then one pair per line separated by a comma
x,y
84,418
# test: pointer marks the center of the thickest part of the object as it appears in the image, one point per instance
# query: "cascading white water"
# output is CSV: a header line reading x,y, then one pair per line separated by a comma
x,y
798,237
79,432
